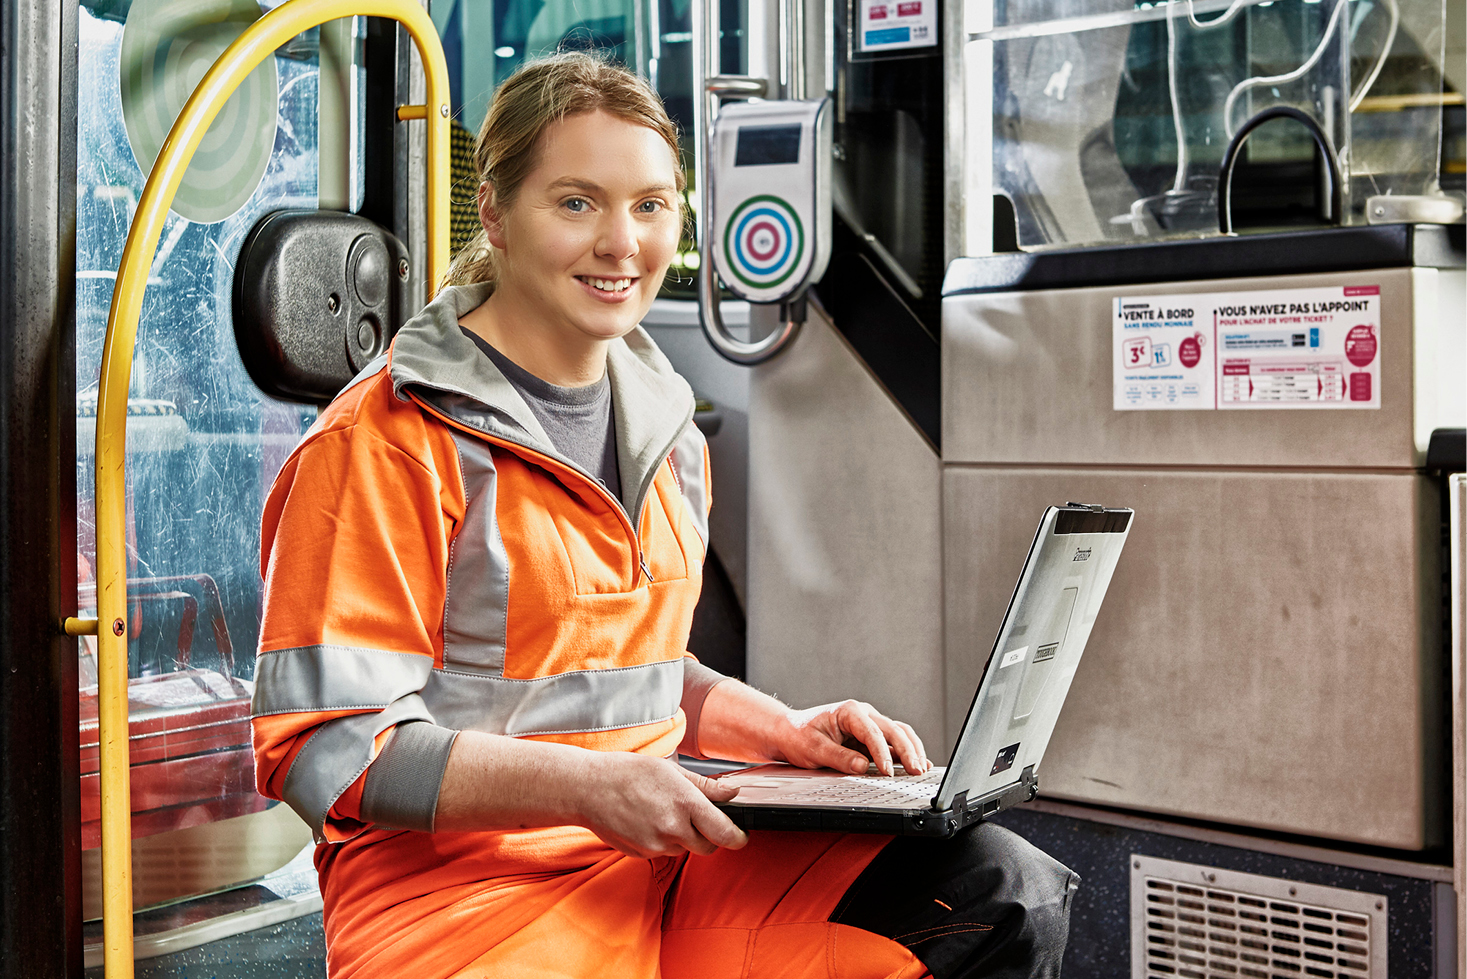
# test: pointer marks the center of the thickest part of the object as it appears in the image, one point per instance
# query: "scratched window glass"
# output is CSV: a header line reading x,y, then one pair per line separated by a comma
x,y
203,444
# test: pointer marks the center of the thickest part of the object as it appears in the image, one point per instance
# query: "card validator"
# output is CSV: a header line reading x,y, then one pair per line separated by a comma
x,y
771,197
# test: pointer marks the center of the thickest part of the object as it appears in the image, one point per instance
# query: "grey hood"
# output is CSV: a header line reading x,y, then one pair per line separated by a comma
x,y
432,359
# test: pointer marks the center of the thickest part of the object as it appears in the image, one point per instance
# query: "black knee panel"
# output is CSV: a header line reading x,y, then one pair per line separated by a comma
x,y
984,902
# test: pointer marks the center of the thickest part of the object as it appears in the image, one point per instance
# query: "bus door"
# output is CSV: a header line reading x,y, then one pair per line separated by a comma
x,y
313,127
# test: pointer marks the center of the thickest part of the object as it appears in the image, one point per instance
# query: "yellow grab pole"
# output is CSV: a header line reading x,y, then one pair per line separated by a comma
x,y
257,43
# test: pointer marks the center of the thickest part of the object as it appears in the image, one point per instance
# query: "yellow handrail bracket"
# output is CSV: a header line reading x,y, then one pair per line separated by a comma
x,y
252,47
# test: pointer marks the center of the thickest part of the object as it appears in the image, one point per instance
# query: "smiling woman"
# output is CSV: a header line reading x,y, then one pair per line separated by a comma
x,y
580,252
481,566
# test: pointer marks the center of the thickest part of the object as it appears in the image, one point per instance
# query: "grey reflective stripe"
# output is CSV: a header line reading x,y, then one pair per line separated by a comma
x,y
336,756
566,703
476,607
691,466
372,368
402,786
325,677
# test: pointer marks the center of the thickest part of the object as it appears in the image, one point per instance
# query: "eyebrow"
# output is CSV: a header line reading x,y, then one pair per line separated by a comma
x,y
595,188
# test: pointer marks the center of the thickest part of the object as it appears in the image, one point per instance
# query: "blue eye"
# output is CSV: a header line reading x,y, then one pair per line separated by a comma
x,y
650,207
577,205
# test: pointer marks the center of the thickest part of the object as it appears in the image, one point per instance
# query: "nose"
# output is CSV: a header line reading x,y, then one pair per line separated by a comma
x,y
617,238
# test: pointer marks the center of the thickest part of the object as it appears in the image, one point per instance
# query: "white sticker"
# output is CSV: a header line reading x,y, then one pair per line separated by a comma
x,y
1163,354
1293,348
1013,656
889,25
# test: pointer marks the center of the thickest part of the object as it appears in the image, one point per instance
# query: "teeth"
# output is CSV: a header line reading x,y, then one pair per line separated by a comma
x,y
610,285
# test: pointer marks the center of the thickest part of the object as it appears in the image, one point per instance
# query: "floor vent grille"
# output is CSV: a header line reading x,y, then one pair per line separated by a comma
x,y
1194,922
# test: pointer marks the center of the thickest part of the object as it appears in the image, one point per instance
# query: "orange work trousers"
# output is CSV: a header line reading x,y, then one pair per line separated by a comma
x,y
757,912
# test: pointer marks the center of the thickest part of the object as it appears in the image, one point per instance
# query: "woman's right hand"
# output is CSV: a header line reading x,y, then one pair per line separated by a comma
x,y
651,807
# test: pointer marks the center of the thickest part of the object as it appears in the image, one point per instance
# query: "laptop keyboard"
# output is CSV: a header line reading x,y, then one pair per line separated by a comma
x,y
906,791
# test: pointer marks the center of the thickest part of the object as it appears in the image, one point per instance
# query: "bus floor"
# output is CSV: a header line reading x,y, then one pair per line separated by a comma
x,y
294,949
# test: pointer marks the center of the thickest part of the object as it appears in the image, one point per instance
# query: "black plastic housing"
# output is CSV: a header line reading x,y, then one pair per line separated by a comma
x,y
318,295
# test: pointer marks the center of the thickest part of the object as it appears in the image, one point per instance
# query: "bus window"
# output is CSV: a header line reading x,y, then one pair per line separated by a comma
x,y
484,41
203,444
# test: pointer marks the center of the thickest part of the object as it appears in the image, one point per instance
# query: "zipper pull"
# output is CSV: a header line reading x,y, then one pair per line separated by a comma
x,y
643,559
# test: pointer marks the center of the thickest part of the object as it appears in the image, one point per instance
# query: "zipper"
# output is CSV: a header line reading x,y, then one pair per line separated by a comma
x,y
639,563
666,456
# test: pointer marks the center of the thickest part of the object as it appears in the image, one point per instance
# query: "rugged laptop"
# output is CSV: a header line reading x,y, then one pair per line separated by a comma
x,y
1009,723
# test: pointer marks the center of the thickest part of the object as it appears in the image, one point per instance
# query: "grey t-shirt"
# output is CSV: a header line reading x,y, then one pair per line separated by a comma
x,y
580,421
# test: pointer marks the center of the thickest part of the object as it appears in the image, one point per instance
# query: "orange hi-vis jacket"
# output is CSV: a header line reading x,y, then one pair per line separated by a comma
x,y
432,564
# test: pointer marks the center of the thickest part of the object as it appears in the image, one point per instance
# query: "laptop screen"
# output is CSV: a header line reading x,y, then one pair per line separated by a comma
x,y
1032,663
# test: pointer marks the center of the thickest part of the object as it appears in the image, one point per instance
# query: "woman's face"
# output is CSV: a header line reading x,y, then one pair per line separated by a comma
x,y
585,245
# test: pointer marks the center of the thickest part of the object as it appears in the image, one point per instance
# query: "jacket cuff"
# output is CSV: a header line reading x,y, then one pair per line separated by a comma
x,y
697,681
401,791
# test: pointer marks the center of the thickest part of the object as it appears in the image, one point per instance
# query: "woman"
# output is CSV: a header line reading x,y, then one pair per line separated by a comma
x,y
480,568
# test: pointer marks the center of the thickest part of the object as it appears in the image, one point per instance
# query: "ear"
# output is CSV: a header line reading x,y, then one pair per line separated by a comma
x,y
490,217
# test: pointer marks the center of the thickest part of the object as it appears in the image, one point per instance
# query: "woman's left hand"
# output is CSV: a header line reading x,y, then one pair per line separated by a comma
x,y
847,737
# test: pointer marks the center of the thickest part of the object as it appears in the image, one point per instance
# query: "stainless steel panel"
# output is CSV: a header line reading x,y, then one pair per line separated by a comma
x,y
845,566
1027,378
1268,653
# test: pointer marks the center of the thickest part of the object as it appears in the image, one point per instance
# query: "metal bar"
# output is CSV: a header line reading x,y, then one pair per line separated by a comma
x,y
793,25
1091,22
40,862
253,46
74,626
1418,100
739,86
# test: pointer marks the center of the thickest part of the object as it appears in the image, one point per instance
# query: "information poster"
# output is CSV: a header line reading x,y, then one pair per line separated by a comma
x,y
1164,354
890,25
1294,348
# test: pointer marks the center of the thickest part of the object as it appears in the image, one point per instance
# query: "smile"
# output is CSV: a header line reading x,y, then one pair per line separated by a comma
x,y
607,285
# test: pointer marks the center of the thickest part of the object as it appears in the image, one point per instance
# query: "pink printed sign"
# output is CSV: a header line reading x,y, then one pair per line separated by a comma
x,y
1189,351
1308,348
1360,345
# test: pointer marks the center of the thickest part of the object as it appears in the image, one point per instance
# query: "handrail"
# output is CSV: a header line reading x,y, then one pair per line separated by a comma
x,y
252,47
1332,210
709,88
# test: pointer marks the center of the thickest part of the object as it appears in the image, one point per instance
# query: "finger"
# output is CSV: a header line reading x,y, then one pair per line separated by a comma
x,y
717,829
822,752
858,723
905,744
696,842
917,740
901,743
712,788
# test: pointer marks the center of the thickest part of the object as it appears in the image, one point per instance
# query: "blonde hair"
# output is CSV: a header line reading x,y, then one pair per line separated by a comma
x,y
539,94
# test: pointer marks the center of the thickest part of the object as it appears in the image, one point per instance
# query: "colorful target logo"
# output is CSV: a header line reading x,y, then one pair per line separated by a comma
x,y
764,241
